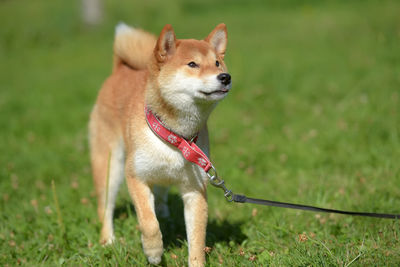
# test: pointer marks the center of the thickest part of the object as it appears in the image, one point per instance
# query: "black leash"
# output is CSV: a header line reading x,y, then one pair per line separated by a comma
x,y
230,196
244,199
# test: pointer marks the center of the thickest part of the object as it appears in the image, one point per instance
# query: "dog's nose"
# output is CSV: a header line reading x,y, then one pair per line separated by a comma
x,y
225,78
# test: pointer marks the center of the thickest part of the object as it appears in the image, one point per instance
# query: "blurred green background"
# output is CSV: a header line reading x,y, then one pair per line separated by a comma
x,y
313,118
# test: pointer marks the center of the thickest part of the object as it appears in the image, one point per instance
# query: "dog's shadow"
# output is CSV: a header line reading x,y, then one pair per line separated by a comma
x,y
173,227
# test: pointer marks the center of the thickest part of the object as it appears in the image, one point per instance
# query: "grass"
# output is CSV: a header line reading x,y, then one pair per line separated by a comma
x,y
313,118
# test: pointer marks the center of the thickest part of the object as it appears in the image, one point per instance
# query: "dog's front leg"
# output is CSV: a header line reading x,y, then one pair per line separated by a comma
x,y
143,200
196,210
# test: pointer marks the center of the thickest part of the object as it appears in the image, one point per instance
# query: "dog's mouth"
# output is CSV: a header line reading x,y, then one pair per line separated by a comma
x,y
222,91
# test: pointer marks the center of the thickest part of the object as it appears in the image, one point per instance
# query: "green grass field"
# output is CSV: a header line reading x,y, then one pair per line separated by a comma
x,y
313,118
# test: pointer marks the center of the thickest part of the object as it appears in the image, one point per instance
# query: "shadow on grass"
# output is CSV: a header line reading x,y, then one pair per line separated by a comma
x,y
173,227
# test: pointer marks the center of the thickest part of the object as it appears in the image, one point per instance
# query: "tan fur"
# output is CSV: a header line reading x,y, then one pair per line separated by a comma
x,y
127,44
145,72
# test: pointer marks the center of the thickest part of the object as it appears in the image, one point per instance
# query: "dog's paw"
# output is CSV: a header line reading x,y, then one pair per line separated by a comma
x,y
154,259
105,241
154,254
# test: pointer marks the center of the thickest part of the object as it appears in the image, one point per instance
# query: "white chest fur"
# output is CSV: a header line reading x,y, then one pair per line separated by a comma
x,y
157,162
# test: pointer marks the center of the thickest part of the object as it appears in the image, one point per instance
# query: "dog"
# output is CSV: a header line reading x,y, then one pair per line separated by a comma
x,y
180,81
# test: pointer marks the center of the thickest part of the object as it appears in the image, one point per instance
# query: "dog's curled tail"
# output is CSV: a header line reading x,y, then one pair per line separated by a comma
x,y
132,47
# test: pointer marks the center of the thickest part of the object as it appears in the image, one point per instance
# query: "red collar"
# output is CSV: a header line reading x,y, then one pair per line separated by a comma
x,y
189,149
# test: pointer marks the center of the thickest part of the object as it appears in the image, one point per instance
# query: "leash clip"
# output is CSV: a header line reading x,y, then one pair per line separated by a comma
x,y
217,182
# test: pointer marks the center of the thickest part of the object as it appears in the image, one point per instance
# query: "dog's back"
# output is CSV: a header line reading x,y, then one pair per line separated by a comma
x,y
132,51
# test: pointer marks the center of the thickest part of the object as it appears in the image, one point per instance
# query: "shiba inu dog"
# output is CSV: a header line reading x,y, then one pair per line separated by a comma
x,y
180,81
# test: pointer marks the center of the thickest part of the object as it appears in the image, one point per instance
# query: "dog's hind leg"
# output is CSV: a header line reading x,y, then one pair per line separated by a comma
x,y
107,158
115,177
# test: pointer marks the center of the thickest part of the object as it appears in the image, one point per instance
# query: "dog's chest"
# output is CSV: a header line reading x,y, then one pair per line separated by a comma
x,y
158,162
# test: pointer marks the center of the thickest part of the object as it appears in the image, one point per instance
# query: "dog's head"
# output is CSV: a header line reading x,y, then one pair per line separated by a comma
x,y
192,71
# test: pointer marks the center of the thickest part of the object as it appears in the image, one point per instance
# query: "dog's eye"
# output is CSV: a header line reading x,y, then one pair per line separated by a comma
x,y
192,64
217,63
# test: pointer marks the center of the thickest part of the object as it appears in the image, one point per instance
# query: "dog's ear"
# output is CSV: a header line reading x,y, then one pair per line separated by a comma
x,y
166,44
218,39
